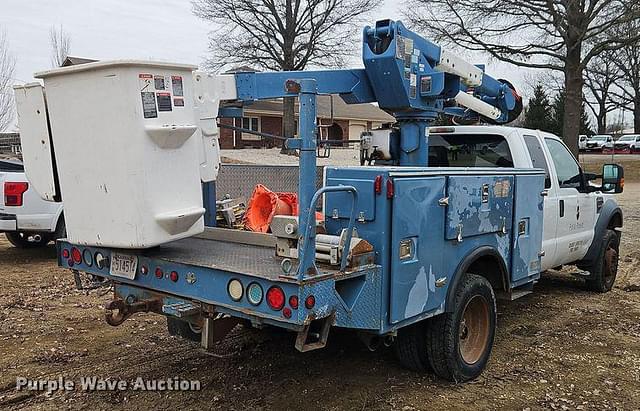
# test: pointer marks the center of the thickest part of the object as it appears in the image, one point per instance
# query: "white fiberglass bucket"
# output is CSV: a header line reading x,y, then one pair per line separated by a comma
x,y
126,145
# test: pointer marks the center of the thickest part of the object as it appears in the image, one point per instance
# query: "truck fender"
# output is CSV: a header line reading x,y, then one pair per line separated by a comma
x,y
610,216
483,257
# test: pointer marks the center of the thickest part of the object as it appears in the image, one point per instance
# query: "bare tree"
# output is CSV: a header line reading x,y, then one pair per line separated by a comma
x,y
60,42
7,68
628,61
561,35
282,35
601,76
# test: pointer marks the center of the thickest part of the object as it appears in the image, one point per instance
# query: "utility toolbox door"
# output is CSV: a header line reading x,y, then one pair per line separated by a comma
x,y
527,233
416,246
478,205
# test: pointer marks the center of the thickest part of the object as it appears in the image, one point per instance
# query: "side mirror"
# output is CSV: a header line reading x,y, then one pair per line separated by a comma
x,y
612,178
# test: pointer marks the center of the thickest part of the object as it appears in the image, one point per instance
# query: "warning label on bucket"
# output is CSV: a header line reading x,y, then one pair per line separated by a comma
x,y
164,101
176,82
145,81
149,104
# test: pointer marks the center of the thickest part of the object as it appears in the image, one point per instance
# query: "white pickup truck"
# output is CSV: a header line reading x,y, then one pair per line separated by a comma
x,y
26,219
581,222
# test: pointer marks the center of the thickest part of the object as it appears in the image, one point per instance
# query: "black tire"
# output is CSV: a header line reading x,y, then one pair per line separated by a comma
x,y
458,351
411,347
603,271
183,329
20,239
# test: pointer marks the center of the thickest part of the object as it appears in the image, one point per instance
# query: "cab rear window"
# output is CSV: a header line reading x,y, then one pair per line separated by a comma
x,y
469,150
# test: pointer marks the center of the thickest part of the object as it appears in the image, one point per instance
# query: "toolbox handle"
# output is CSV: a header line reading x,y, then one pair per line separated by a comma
x,y
309,230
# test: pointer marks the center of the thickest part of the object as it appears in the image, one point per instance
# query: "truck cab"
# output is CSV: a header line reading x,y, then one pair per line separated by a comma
x,y
575,212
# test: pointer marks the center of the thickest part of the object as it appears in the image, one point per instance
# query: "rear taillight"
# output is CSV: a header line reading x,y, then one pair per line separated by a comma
x,y
310,302
14,193
275,298
76,255
174,276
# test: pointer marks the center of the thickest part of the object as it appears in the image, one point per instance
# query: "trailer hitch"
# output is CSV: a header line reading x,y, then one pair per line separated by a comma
x,y
124,310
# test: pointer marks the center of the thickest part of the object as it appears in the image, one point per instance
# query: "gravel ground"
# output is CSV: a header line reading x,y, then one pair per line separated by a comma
x,y
559,348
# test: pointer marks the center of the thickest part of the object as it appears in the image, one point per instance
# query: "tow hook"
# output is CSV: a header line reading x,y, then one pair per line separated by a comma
x,y
124,310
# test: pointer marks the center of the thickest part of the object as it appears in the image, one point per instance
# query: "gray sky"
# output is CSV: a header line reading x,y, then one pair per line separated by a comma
x,y
142,29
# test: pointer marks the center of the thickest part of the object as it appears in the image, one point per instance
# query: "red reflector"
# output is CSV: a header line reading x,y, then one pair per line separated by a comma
x,y
65,253
159,272
310,301
377,185
76,255
389,189
174,276
275,298
144,270
13,193
293,302
286,312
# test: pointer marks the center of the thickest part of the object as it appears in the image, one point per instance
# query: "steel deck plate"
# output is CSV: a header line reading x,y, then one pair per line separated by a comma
x,y
245,259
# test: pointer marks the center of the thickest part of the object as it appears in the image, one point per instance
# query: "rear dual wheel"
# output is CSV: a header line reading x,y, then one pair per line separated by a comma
x,y
456,346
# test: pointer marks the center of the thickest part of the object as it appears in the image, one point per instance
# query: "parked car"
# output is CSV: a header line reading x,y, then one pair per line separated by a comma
x,y
582,142
597,142
26,219
629,143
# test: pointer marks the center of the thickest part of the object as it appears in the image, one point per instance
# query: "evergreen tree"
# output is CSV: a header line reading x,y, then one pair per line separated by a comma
x,y
557,120
537,116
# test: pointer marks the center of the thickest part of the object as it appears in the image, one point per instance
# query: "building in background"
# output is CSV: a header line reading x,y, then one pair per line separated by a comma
x,y
345,122
10,144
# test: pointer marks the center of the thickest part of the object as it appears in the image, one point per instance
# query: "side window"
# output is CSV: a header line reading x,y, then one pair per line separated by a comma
x,y
537,157
567,168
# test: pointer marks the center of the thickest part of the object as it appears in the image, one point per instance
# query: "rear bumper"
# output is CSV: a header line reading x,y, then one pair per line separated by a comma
x,y
8,222
355,306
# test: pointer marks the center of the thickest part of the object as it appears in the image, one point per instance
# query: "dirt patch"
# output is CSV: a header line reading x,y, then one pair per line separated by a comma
x,y
561,348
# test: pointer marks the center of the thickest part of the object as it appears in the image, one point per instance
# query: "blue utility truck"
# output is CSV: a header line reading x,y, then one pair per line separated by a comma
x,y
415,245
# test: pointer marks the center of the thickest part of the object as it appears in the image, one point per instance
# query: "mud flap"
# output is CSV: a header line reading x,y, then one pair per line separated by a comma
x,y
309,341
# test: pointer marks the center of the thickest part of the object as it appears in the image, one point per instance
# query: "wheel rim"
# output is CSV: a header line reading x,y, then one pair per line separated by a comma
x,y
610,265
473,335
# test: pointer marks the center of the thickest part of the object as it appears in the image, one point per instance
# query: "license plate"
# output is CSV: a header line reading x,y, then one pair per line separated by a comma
x,y
123,265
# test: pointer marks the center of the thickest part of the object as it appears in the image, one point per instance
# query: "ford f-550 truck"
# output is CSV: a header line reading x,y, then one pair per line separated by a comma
x,y
413,249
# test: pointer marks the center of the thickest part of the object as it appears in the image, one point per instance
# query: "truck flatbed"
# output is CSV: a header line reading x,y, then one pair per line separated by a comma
x,y
248,259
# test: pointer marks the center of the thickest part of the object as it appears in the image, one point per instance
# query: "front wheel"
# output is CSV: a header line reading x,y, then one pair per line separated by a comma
x,y
603,271
459,343
21,239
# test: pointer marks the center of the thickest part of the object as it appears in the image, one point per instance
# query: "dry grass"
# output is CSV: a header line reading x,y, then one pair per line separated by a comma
x,y
631,163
